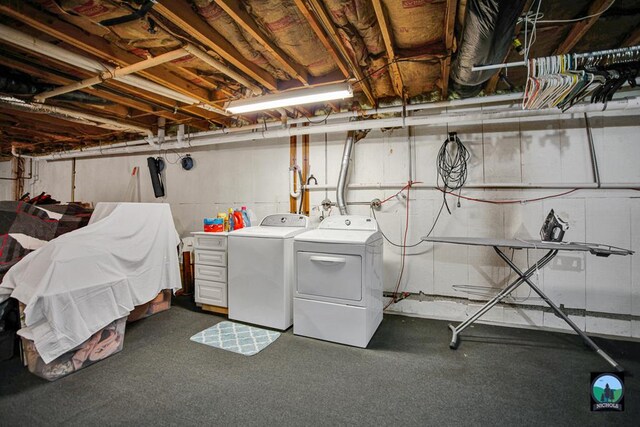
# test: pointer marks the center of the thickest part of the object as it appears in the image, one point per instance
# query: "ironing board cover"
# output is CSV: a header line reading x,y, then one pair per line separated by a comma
x,y
595,248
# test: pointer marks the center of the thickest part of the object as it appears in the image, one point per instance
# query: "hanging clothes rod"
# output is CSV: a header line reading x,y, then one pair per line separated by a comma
x,y
575,55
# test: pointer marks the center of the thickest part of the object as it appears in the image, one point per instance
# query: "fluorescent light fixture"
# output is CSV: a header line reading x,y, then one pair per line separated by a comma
x,y
294,97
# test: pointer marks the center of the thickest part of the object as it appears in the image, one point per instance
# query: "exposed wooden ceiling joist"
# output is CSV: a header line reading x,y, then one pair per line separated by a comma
x,y
123,87
18,132
449,25
246,22
48,77
633,39
317,28
396,77
333,77
327,23
181,14
97,46
580,28
144,94
45,121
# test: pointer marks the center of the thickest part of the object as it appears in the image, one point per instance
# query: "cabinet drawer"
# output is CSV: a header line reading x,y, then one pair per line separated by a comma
x,y
210,242
211,258
212,293
210,272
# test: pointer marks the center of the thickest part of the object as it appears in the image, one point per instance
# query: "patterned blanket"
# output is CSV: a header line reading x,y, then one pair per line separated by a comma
x,y
25,227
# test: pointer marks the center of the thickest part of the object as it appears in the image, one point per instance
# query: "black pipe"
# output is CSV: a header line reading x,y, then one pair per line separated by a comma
x,y
488,31
16,86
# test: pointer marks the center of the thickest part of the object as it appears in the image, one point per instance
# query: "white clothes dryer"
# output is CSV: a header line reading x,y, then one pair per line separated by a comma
x,y
338,288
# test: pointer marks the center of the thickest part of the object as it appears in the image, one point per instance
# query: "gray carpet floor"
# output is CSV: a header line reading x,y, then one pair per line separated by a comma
x,y
407,376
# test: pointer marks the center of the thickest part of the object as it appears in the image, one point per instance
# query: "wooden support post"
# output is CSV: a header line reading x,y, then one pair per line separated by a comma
x,y
305,171
293,159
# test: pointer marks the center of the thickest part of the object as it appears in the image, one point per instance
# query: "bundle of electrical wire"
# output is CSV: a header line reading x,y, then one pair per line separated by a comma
x,y
452,165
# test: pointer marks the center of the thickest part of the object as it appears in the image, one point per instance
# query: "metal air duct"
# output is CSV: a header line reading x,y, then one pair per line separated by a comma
x,y
353,136
488,31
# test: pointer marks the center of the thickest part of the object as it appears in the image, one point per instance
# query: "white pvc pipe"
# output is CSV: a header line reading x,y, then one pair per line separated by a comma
x,y
112,74
161,131
205,139
26,41
480,186
371,112
292,191
332,117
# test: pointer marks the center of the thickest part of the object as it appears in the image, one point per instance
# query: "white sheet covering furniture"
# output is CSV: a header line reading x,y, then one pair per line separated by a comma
x,y
80,282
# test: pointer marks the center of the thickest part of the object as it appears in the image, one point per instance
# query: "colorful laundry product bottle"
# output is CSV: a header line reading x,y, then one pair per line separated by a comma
x,y
245,216
225,221
231,220
238,221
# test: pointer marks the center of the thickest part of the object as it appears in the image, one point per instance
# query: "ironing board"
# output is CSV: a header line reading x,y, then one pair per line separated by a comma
x,y
552,249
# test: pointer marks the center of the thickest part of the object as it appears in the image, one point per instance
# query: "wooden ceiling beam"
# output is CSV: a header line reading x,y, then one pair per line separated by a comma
x,y
121,87
234,9
633,39
580,28
327,23
137,92
13,131
97,46
181,14
45,121
322,36
114,111
449,25
396,77
48,123
38,72
333,77
45,136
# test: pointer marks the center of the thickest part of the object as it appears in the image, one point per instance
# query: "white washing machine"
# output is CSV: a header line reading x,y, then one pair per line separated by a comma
x,y
338,289
260,271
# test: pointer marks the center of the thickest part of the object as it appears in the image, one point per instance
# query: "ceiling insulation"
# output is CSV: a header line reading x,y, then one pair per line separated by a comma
x,y
390,50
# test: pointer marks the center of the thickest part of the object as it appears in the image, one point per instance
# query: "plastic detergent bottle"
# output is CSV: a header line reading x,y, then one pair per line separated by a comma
x,y
238,223
245,217
225,221
231,220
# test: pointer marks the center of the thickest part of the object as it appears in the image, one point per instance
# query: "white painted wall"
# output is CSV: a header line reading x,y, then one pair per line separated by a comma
x,y
521,151
6,186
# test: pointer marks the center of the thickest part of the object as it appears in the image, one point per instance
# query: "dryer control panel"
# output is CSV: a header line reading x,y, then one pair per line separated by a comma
x,y
349,222
285,220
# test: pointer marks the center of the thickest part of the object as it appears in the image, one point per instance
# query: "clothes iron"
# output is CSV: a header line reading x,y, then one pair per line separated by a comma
x,y
553,228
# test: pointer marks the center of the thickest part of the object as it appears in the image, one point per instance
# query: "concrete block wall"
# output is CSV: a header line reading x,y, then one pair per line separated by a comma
x,y
455,279
6,186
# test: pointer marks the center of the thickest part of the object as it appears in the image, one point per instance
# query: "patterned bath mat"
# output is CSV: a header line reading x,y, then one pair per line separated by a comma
x,y
235,337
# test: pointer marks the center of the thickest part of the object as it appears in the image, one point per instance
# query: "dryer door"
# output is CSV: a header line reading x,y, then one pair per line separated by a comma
x,y
329,276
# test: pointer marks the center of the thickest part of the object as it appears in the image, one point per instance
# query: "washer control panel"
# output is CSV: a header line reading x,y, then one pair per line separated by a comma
x,y
349,222
285,220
